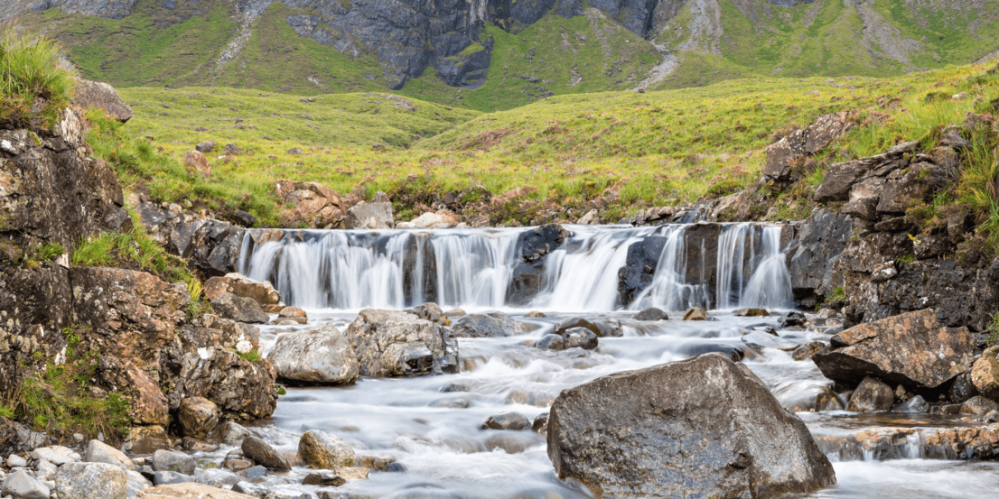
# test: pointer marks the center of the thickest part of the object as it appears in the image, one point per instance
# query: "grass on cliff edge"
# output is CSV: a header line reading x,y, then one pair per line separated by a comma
x,y
562,153
35,85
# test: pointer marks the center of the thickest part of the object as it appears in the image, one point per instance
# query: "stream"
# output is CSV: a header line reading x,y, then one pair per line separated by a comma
x,y
431,425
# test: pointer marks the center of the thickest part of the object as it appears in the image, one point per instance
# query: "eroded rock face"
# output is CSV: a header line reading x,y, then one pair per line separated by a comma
x,y
262,292
212,246
239,309
655,433
392,343
911,349
310,203
237,386
321,355
198,417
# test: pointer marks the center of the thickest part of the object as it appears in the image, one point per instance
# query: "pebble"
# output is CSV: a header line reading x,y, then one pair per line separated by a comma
x,y
15,461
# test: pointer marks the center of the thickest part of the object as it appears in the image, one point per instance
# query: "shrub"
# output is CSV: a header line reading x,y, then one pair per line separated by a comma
x,y
34,82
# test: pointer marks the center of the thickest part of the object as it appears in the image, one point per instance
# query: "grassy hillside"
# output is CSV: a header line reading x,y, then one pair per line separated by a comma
x,y
657,148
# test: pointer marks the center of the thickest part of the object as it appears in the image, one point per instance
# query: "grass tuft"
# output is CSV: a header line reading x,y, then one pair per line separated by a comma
x,y
35,84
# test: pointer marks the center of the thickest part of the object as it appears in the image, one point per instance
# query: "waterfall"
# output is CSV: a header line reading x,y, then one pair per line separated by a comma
x,y
705,265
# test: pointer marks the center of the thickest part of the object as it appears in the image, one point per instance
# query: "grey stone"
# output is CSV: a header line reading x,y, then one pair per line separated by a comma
x,y
651,314
21,485
169,460
56,455
491,325
169,477
320,354
15,461
264,454
230,306
91,481
370,216
507,421
394,343
99,452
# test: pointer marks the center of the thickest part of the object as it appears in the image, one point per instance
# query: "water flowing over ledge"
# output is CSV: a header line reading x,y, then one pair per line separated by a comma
x,y
602,268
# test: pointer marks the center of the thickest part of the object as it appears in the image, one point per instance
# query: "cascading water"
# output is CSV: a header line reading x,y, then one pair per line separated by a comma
x,y
350,270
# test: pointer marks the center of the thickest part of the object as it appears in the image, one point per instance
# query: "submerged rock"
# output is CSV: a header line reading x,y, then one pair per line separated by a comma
x,y
651,314
393,343
507,421
321,355
655,432
910,349
695,314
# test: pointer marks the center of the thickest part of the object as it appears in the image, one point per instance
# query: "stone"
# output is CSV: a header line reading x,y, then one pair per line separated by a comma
x,y
91,481
45,470
93,94
190,491
21,485
491,325
871,396
426,221
232,149
370,216
654,432
979,406
985,376
293,312
197,162
232,433
750,312
962,389
170,460
323,450
591,217
15,461
540,424
262,292
239,309
99,452
170,477
56,454
538,242
147,439
236,385
806,351
550,342
319,355
651,314
262,453
205,147
580,337
198,417
909,349
324,479
394,343
695,314
507,421
599,329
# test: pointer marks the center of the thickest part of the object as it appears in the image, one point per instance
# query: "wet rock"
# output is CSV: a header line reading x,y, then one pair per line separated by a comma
x,y
232,433
324,479
101,96
540,424
962,389
600,329
376,461
657,435
537,243
172,477
909,349
261,292
262,453
871,396
535,314
491,325
791,319
91,481
452,403
512,442
370,216
393,343
169,460
750,312
651,314
191,491
323,450
550,342
507,421
198,417
239,309
99,452
806,351
320,355
433,313
639,268
915,405
695,314
147,439
579,337
979,406
985,376
21,485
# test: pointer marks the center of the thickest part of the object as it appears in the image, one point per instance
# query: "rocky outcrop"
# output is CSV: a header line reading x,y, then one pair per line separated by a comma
x,y
262,292
104,97
310,203
911,349
320,355
654,432
533,247
392,343
211,246
816,245
790,154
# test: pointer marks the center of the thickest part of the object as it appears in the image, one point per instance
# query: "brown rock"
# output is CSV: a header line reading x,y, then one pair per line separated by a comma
x,y
909,349
872,396
979,406
190,491
197,162
147,439
695,314
198,417
147,404
239,309
985,376
806,351
236,385
323,450
292,312
264,454
262,292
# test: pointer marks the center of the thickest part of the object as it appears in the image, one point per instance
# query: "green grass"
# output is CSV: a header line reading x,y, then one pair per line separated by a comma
x,y
35,86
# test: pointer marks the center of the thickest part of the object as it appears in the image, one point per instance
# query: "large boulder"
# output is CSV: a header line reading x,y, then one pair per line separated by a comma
x,y
239,309
370,216
102,96
198,417
261,292
393,343
910,349
91,481
21,485
655,432
99,452
538,242
323,450
238,387
320,355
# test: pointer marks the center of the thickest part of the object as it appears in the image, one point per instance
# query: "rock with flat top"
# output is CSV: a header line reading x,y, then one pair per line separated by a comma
x,y
319,355
91,481
394,343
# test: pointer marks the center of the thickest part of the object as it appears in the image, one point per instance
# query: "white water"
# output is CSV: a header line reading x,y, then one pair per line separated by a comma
x,y
431,425
472,268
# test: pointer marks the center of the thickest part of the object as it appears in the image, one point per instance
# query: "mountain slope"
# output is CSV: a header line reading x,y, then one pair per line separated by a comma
x,y
499,54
